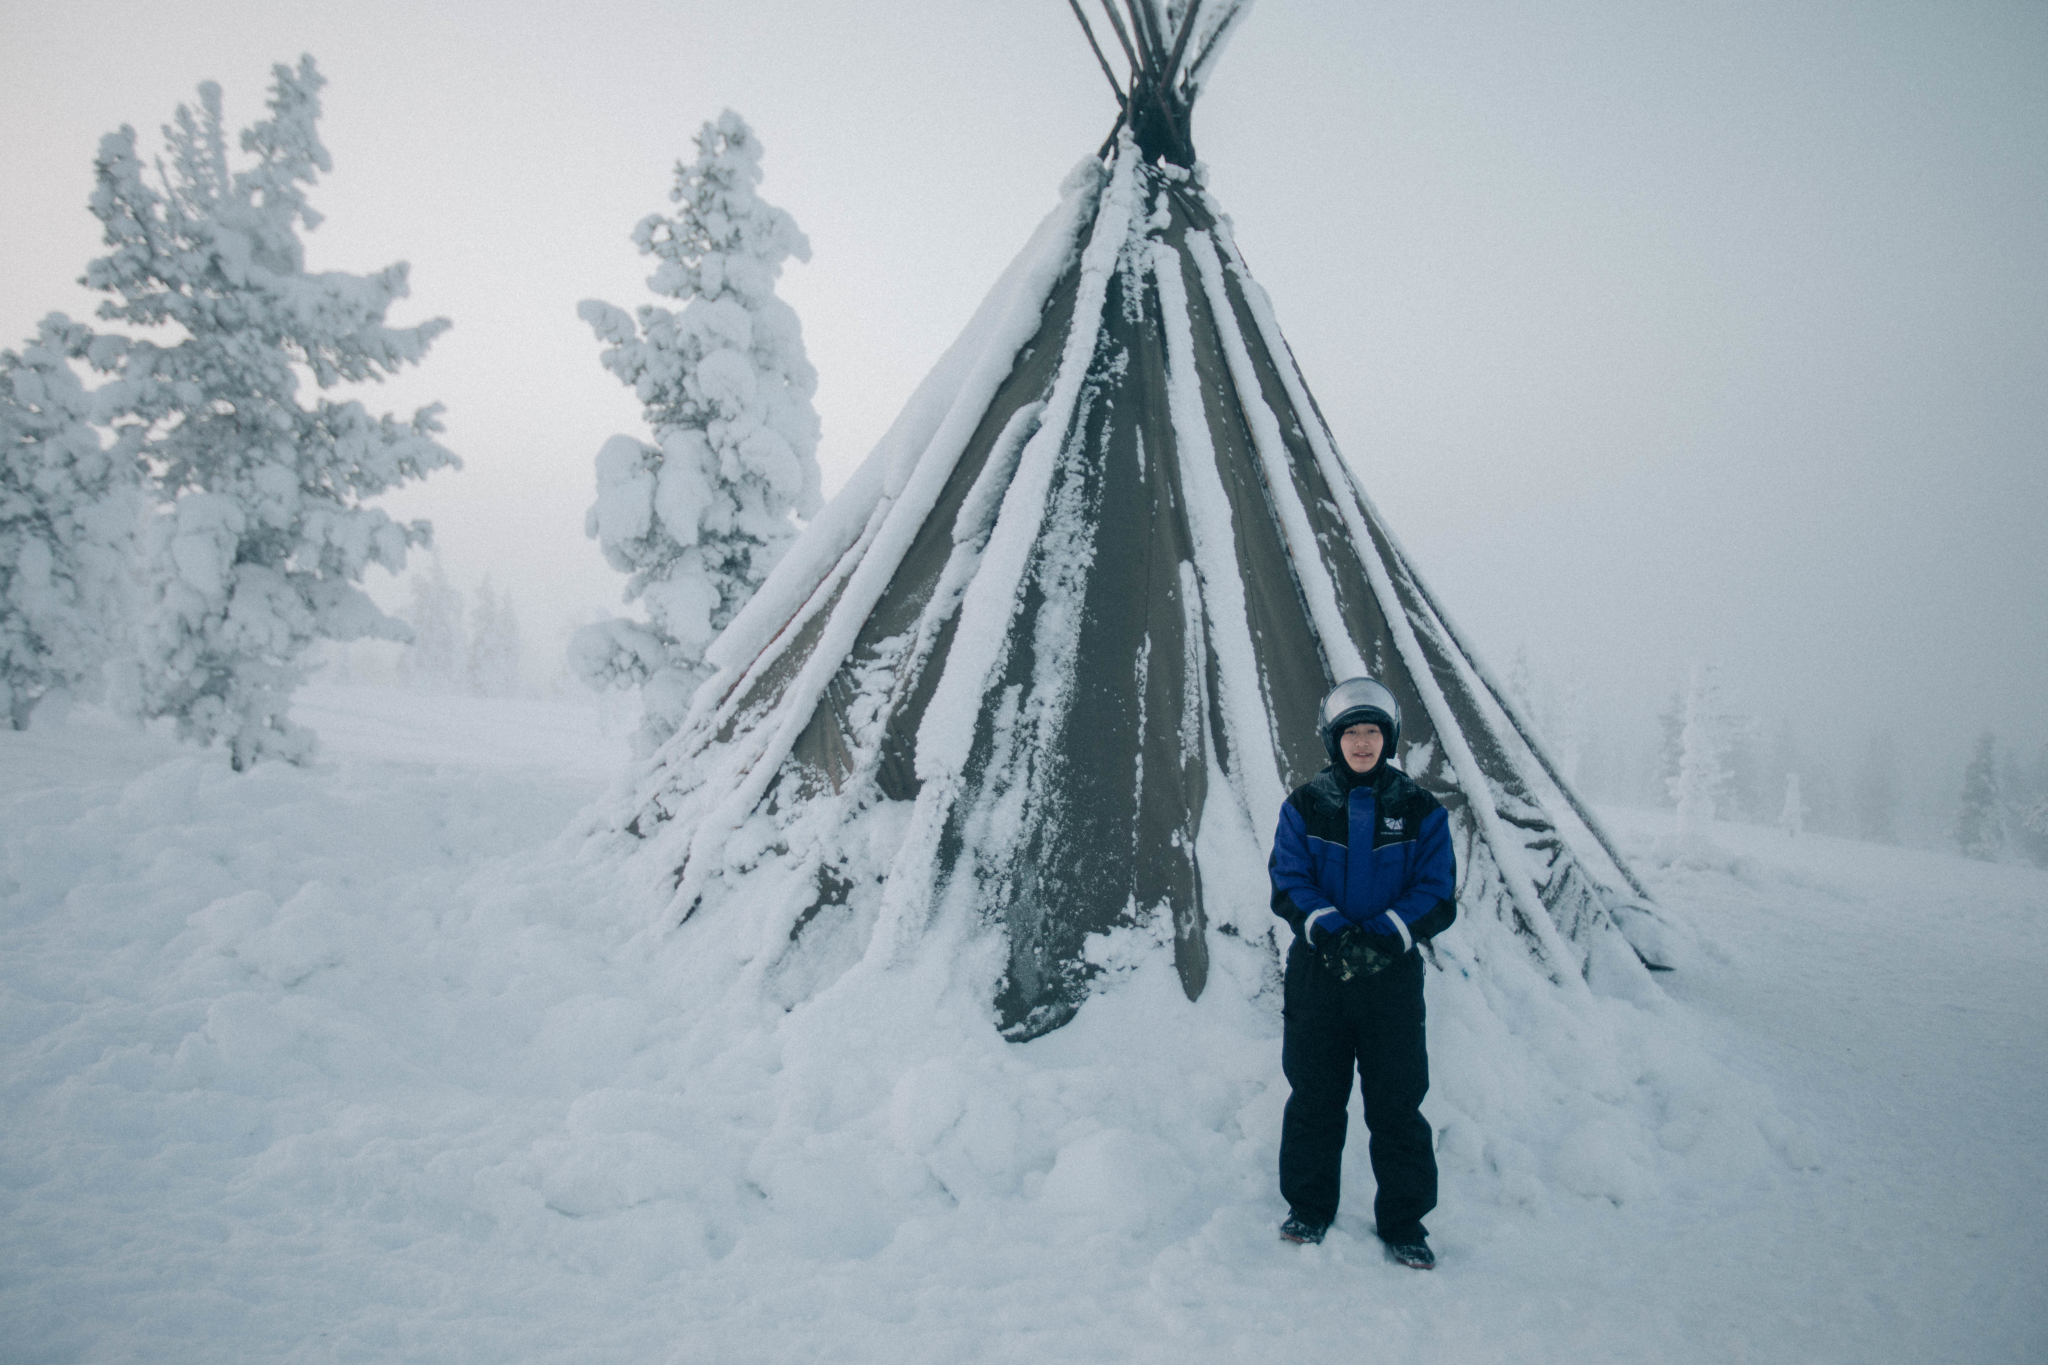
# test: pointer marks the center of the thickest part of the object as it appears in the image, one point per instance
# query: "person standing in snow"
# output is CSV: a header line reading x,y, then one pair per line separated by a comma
x,y
1363,870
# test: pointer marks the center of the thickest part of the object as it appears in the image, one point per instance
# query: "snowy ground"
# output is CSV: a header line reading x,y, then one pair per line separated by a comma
x,y
362,1063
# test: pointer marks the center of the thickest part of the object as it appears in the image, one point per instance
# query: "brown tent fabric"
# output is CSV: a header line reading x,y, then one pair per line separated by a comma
x,y
1053,657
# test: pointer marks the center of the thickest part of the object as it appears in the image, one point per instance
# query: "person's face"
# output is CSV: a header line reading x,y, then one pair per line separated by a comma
x,y
1361,746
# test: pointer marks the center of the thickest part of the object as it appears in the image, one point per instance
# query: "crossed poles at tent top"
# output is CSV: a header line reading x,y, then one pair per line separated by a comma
x,y
1150,103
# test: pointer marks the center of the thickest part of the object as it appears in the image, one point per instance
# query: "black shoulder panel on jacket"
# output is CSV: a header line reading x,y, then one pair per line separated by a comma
x,y
1399,795
1324,807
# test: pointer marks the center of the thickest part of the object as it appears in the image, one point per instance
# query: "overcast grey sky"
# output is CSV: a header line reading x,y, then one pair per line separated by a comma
x,y
1659,329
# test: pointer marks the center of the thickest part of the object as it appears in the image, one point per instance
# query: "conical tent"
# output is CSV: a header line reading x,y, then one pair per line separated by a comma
x,y
1050,662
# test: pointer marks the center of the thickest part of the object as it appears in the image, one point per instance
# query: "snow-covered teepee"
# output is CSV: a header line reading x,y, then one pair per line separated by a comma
x,y
1047,666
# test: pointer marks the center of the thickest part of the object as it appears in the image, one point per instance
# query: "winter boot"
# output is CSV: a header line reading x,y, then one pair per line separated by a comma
x,y
1412,1251
1304,1230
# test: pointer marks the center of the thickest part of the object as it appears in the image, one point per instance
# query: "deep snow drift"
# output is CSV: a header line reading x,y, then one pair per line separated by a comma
x,y
365,1063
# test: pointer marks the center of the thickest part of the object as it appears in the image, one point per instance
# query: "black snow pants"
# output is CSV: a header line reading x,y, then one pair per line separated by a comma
x,y
1374,1024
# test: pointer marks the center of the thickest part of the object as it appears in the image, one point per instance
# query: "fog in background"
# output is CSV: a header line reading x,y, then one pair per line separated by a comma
x,y
1659,331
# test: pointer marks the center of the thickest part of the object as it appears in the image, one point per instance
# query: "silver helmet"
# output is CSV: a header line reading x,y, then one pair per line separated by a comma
x,y
1358,701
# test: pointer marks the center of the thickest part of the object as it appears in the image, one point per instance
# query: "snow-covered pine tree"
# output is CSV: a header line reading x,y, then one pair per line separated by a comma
x,y
69,507
436,659
700,516
1703,745
494,644
1792,816
262,537
1980,827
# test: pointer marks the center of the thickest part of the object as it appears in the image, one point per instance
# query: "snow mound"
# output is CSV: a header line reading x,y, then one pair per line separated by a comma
x,y
356,1062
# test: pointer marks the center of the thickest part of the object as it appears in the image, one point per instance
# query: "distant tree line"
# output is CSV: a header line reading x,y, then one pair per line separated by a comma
x,y
1714,760
2004,806
458,646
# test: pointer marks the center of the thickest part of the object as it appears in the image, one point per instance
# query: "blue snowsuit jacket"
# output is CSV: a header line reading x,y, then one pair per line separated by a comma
x,y
1378,856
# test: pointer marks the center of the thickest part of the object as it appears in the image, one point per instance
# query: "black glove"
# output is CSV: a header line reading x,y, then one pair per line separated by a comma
x,y
1353,952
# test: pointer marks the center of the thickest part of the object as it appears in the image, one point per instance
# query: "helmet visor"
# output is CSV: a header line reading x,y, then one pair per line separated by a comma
x,y
1354,694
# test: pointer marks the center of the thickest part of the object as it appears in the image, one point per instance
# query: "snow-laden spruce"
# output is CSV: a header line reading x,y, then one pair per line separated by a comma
x,y
700,516
262,536
1980,818
1702,773
69,506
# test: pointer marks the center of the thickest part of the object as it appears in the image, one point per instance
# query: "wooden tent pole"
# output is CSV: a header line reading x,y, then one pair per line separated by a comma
x,y
1534,744
1148,73
1130,53
1122,100
1102,152
1210,44
1147,35
1178,113
1180,43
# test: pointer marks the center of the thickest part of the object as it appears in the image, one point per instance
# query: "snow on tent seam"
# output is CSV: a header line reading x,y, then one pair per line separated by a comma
x,y
1108,551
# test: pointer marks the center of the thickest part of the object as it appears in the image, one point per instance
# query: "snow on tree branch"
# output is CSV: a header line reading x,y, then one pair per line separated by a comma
x,y
699,516
262,536
69,505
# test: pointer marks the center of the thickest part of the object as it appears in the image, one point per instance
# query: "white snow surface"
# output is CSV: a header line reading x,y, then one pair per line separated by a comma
x,y
368,1062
